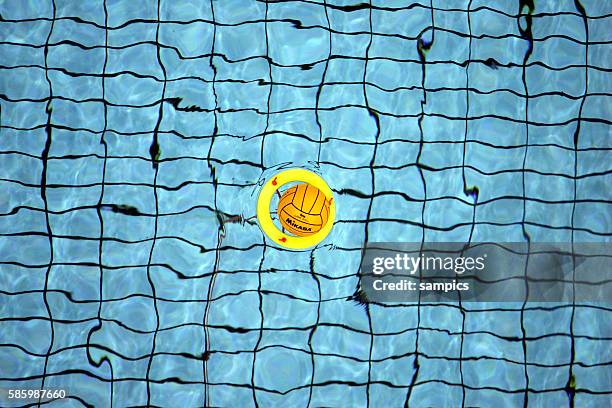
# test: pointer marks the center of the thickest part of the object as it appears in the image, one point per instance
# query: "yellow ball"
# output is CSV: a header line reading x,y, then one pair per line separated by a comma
x,y
303,210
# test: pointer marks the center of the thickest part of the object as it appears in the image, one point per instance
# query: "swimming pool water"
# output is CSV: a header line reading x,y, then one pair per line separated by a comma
x,y
133,136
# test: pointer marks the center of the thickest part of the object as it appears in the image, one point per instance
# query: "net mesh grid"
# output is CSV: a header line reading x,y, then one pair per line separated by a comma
x,y
133,134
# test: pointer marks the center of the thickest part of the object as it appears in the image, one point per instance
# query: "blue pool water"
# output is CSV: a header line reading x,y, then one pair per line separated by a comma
x,y
134,136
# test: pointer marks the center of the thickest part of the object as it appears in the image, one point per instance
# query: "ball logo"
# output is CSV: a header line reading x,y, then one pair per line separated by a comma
x,y
297,226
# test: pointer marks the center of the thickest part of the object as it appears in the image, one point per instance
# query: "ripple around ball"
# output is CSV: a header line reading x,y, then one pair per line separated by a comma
x,y
303,210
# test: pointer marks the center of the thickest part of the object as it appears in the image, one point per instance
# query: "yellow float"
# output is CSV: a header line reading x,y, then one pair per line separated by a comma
x,y
265,198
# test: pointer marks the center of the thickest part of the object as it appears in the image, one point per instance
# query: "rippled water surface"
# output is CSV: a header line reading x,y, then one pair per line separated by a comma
x,y
134,136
